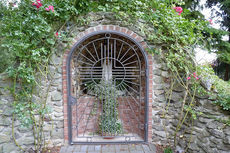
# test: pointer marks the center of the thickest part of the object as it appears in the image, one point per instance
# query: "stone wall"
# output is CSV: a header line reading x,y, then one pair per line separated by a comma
x,y
208,134
53,128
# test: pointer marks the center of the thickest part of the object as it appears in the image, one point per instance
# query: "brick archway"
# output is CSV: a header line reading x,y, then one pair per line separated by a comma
x,y
81,36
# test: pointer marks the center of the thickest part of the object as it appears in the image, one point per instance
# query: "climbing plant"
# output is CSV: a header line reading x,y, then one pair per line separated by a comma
x,y
31,30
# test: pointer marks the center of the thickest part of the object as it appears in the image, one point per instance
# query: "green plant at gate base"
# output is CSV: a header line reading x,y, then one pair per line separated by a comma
x,y
168,150
109,123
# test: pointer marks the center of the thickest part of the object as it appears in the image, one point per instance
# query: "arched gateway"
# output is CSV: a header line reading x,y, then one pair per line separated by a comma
x,y
107,89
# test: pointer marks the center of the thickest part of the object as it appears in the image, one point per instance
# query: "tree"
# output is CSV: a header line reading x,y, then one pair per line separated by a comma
x,y
224,13
214,37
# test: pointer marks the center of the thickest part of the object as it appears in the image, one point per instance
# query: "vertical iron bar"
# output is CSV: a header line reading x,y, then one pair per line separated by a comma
x,y
108,47
122,109
77,115
140,97
112,57
114,61
130,124
69,99
113,93
102,116
102,55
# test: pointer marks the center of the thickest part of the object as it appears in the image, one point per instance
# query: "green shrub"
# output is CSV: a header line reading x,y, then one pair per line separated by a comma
x,y
6,59
168,150
219,88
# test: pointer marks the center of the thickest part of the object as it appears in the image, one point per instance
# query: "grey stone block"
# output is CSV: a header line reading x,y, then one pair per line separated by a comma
x,y
4,138
152,147
160,133
110,148
97,147
124,148
157,79
146,148
8,111
9,147
77,148
227,140
91,148
132,147
56,96
70,149
84,148
217,133
58,134
139,148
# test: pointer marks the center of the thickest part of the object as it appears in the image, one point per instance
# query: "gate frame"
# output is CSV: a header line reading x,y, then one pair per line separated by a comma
x,y
67,98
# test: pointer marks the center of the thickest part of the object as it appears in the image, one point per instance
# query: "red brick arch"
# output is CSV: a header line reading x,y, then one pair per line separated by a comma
x,y
99,28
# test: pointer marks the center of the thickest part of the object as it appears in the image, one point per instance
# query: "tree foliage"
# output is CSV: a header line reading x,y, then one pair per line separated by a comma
x,y
224,12
224,49
216,44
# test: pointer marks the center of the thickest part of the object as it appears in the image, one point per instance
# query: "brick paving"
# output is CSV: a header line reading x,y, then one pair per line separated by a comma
x,y
119,148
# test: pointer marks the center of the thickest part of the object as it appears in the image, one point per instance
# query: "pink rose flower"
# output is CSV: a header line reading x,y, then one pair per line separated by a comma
x,y
56,34
38,4
188,78
210,21
179,10
50,8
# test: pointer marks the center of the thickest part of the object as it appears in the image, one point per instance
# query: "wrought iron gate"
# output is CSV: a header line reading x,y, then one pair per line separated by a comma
x,y
107,90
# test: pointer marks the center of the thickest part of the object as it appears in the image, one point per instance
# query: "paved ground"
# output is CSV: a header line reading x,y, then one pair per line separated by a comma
x,y
128,148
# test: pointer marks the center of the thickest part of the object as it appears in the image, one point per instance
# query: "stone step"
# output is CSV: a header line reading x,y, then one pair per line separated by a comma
x,y
116,148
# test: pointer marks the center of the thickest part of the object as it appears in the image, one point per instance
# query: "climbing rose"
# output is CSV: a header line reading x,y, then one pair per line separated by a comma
x,y
195,76
210,21
38,4
56,34
178,9
50,8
